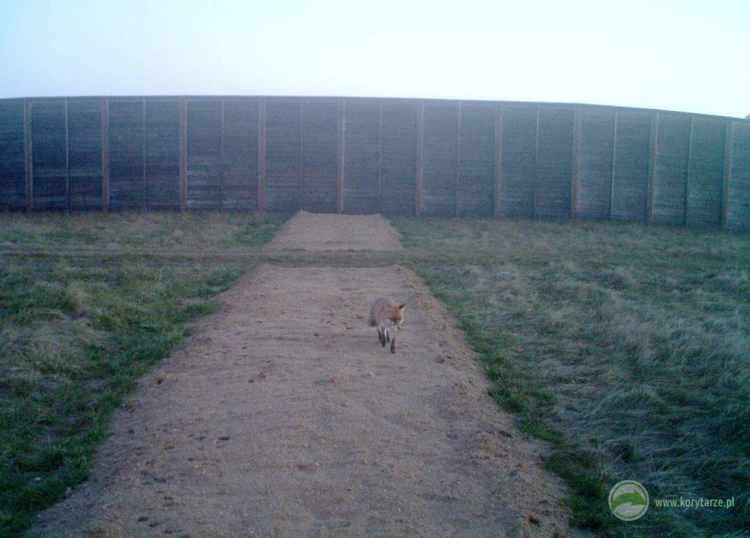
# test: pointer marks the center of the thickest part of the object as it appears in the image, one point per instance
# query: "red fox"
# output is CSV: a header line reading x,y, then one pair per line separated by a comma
x,y
386,314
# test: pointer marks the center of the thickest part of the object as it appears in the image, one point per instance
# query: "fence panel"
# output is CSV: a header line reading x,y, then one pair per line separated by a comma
x,y
631,165
283,154
12,156
49,158
554,167
361,156
706,172
319,155
596,163
365,155
126,154
163,153
440,158
518,161
240,153
670,179
738,189
398,157
85,153
476,160
205,189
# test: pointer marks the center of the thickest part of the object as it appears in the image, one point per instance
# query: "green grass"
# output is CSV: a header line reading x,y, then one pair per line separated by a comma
x,y
77,331
626,348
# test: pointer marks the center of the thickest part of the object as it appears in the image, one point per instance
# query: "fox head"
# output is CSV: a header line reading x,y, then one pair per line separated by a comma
x,y
397,315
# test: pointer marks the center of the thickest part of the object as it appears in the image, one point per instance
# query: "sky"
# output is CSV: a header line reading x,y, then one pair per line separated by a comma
x,y
684,55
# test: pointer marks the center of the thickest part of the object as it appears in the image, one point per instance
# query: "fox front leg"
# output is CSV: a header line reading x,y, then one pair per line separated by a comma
x,y
393,344
381,336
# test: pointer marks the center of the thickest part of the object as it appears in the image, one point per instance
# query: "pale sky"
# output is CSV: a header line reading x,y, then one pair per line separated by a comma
x,y
686,55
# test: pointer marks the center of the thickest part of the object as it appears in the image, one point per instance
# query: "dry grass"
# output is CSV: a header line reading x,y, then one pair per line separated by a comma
x,y
627,348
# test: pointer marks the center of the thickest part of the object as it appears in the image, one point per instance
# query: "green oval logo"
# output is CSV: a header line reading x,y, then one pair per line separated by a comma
x,y
628,500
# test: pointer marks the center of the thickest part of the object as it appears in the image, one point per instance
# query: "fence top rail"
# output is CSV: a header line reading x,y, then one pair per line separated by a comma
x,y
313,98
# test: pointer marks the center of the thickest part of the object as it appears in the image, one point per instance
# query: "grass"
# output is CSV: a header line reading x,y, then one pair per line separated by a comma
x,y
626,348
77,331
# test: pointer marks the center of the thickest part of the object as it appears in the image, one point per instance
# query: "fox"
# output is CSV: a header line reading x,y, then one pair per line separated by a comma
x,y
387,314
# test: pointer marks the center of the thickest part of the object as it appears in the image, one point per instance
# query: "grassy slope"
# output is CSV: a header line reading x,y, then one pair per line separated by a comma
x,y
76,331
627,348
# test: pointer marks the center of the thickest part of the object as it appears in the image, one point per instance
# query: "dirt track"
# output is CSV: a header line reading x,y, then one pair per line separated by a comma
x,y
283,416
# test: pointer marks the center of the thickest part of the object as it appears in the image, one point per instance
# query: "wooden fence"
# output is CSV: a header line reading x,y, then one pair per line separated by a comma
x,y
390,156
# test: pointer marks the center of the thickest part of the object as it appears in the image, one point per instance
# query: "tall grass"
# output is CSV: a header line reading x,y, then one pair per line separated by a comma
x,y
77,332
626,348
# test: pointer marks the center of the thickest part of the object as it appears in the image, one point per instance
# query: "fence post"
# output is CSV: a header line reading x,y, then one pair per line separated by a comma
x,y
652,167
105,154
340,164
28,157
183,155
498,157
575,176
420,159
614,164
728,142
262,155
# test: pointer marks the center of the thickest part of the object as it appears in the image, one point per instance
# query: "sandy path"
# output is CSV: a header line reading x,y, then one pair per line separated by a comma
x,y
319,232
283,416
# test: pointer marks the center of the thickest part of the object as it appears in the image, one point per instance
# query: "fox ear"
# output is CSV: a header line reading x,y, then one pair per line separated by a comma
x,y
401,307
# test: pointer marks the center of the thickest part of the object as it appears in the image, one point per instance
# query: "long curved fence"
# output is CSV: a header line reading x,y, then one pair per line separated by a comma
x,y
361,155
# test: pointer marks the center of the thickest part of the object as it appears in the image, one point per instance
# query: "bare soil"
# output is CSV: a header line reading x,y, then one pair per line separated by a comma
x,y
283,416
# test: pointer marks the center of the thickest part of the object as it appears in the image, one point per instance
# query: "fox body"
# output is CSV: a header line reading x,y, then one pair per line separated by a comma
x,y
387,314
